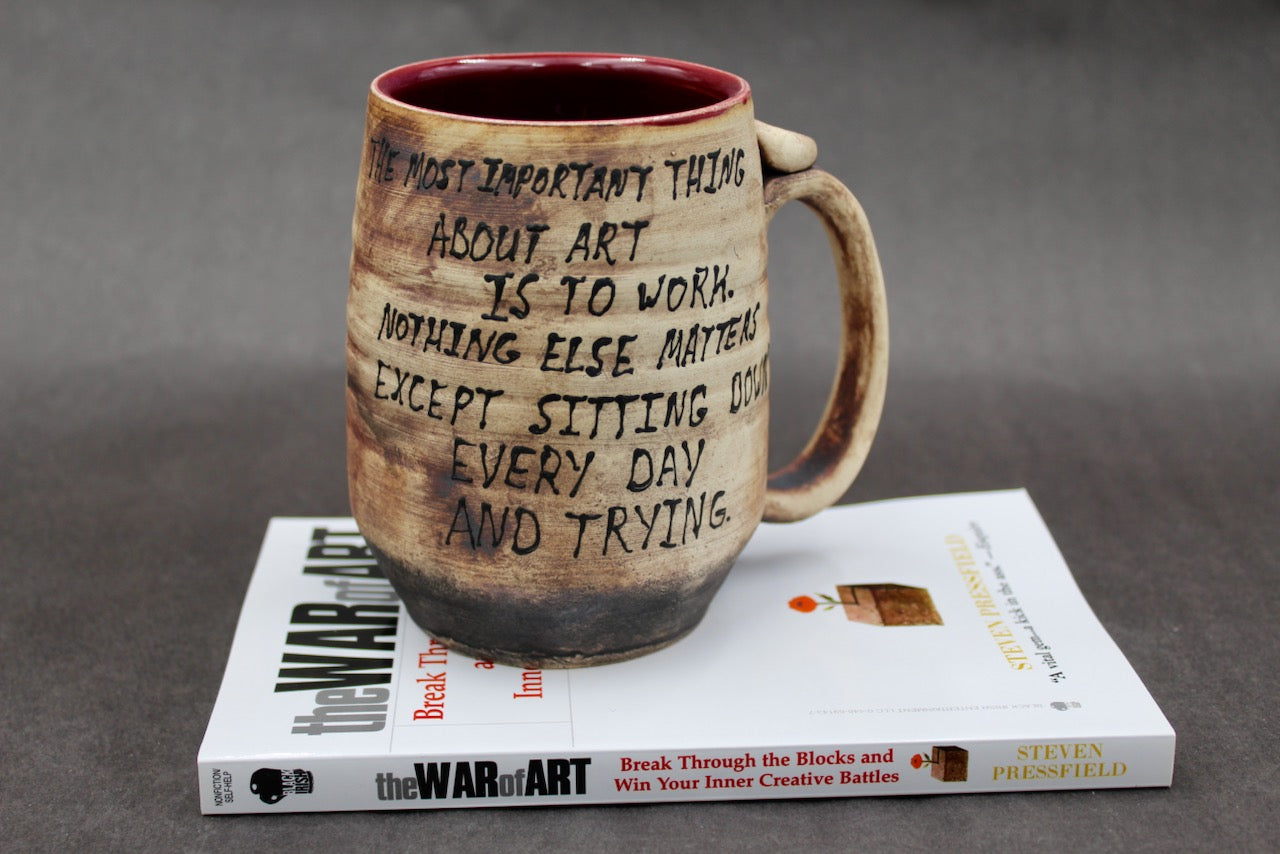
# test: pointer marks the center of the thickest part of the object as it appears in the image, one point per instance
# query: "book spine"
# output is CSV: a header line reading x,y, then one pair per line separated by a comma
x,y
317,784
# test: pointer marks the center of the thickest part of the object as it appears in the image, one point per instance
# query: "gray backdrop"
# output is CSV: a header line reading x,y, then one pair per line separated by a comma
x,y
1076,205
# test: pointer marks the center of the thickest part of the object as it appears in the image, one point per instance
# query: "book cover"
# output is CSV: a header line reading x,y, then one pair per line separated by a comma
x,y
916,646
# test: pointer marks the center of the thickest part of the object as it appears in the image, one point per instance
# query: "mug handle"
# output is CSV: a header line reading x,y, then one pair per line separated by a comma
x,y
827,466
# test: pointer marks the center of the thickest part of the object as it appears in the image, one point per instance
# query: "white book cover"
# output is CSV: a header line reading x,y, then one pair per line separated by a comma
x,y
916,646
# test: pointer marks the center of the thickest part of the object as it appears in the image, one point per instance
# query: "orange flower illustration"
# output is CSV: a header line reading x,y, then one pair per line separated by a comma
x,y
803,604
806,604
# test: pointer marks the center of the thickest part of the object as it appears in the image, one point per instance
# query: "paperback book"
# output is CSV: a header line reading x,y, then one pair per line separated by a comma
x,y
928,645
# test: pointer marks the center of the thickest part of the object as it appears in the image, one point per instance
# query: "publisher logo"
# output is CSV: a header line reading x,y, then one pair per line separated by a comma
x,y
273,784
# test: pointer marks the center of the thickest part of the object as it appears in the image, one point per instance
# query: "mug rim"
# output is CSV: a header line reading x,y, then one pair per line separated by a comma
x,y
736,89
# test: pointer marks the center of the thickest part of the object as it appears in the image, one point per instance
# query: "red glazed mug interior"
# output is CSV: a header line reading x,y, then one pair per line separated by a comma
x,y
560,88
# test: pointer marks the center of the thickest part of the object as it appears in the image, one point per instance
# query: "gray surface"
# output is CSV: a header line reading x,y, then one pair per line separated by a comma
x,y
1077,209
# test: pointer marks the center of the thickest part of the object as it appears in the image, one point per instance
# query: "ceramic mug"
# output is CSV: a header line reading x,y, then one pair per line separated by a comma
x,y
558,347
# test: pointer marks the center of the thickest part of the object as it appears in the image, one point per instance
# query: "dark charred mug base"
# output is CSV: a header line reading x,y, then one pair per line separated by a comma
x,y
552,632
558,661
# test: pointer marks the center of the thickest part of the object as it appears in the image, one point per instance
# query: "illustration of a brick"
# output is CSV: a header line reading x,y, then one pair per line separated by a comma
x,y
950,764
888,605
